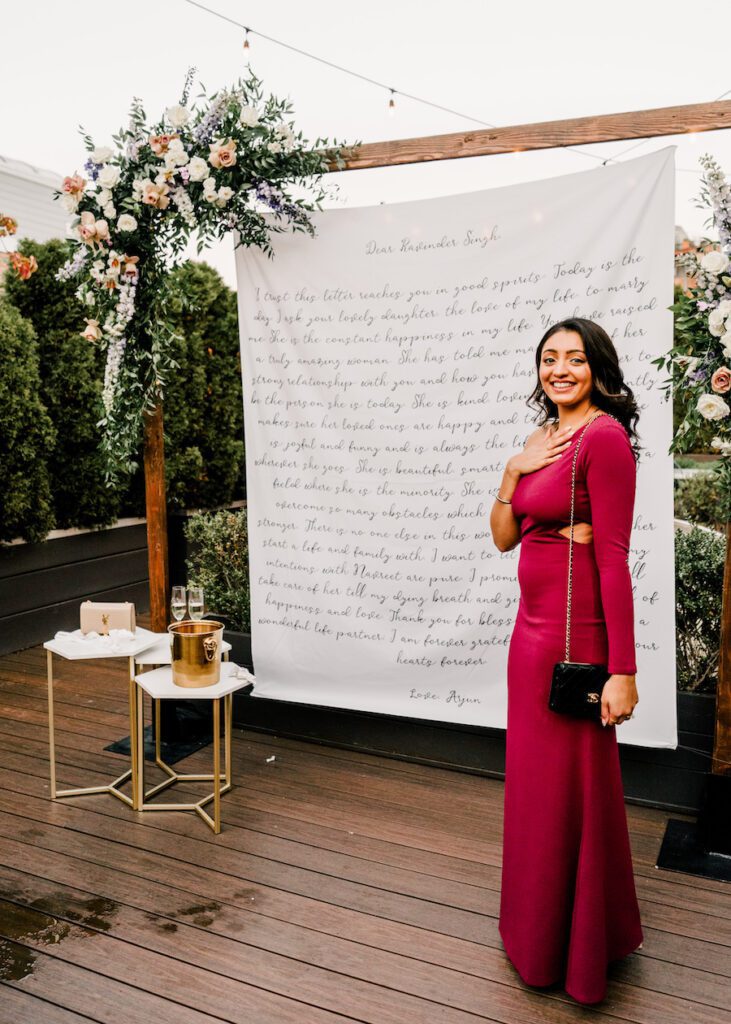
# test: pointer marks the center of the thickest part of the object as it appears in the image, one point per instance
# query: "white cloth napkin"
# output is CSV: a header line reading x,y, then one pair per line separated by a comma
x,y
243,673
114,640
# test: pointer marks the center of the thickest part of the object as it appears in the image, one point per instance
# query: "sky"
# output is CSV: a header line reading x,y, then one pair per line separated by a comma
x,y
504,64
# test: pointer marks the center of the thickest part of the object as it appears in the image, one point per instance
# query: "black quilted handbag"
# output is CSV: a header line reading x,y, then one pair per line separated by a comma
x,y
576,686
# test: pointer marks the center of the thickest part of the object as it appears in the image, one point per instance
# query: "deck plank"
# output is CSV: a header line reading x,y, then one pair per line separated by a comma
x,y
344,887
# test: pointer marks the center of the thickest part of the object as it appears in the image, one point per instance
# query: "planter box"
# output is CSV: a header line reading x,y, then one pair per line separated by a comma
x,y
42,585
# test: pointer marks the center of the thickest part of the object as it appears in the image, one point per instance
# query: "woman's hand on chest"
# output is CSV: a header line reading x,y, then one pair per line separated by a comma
x,y
542,448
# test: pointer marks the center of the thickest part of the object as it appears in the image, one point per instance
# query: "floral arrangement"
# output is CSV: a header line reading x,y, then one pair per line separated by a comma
x,y
23,266
222,163
699,362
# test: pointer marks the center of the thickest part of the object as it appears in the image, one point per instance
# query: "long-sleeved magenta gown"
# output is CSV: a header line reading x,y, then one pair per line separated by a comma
x,y
568,904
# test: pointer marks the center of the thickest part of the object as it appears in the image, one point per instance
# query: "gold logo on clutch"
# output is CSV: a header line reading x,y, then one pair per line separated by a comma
x,y
593,698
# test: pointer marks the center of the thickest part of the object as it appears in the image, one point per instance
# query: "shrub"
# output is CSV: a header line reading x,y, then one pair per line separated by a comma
x,y
204,414
26,434
220,564
697,500
699,564
70,388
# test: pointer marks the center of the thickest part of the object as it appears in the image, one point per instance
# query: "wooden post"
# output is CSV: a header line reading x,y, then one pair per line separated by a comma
x,y
157,520
722,736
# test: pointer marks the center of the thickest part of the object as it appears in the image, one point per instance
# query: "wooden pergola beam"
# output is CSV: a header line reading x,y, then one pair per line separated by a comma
x,y
578,131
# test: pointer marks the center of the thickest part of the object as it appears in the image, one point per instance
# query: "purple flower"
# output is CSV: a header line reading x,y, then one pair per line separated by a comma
x,y
206,127
92,169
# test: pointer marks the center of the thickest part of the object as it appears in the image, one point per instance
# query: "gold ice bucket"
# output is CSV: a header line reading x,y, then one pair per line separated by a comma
x,y
196,652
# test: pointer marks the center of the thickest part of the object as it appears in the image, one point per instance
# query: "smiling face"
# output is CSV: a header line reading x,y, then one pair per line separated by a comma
x,y
564,372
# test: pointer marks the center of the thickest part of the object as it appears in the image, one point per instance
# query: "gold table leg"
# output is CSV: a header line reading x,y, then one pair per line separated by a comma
x,y
60,794
221,782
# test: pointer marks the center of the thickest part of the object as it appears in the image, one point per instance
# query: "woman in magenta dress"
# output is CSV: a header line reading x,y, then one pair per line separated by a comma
x,y
568,904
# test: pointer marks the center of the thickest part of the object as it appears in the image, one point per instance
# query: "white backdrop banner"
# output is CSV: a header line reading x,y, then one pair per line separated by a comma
x,y
386,365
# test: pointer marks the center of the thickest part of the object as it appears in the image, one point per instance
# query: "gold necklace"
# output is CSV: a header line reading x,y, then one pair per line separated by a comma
x,y
583,422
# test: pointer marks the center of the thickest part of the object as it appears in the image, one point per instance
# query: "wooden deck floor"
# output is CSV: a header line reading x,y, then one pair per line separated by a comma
x,y
344,887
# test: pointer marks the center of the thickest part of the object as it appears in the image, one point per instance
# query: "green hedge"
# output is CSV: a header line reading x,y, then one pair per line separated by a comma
x,y
699,564
696,500
204,414
219,562
71,372
26,434
203,404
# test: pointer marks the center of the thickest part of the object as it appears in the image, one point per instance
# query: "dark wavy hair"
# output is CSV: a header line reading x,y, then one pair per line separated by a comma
x,y
609,391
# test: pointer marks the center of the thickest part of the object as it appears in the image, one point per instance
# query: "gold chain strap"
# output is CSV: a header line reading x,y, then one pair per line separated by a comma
x,y
571,532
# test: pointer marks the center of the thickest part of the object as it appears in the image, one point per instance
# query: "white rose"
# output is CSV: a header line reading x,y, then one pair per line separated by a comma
x,y
249,116
275,147
209,185
724,308
716,323
103,196
69,202
126,223
139,185
177,115
712,407
225,193
108,176
197,169
714,262
726,342
101,154
110,211
722,445
176,155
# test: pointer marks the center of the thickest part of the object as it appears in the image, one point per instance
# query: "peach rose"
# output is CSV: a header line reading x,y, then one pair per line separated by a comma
x,y
73,185
156,195
721,380
8,226
24,266
159,143
87,227
102,230
92,331
223,154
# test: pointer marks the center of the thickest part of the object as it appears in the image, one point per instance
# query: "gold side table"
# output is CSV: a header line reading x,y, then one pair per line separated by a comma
x,y
159,685
75,648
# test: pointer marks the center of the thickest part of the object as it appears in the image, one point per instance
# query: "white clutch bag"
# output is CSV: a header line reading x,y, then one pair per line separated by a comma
x,y
101,616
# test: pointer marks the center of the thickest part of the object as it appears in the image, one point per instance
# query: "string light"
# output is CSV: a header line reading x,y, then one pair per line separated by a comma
x,y
247,47
418,99
365,78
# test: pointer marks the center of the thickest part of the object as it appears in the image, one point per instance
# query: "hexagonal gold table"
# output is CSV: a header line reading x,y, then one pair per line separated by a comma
x,y
76,647
159,685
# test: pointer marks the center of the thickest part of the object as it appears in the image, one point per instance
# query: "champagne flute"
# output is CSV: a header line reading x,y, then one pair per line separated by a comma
x,y
177,603
196,602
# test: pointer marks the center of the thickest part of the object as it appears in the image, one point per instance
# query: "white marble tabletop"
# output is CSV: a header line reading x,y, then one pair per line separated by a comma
x,y
159,683
76,646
